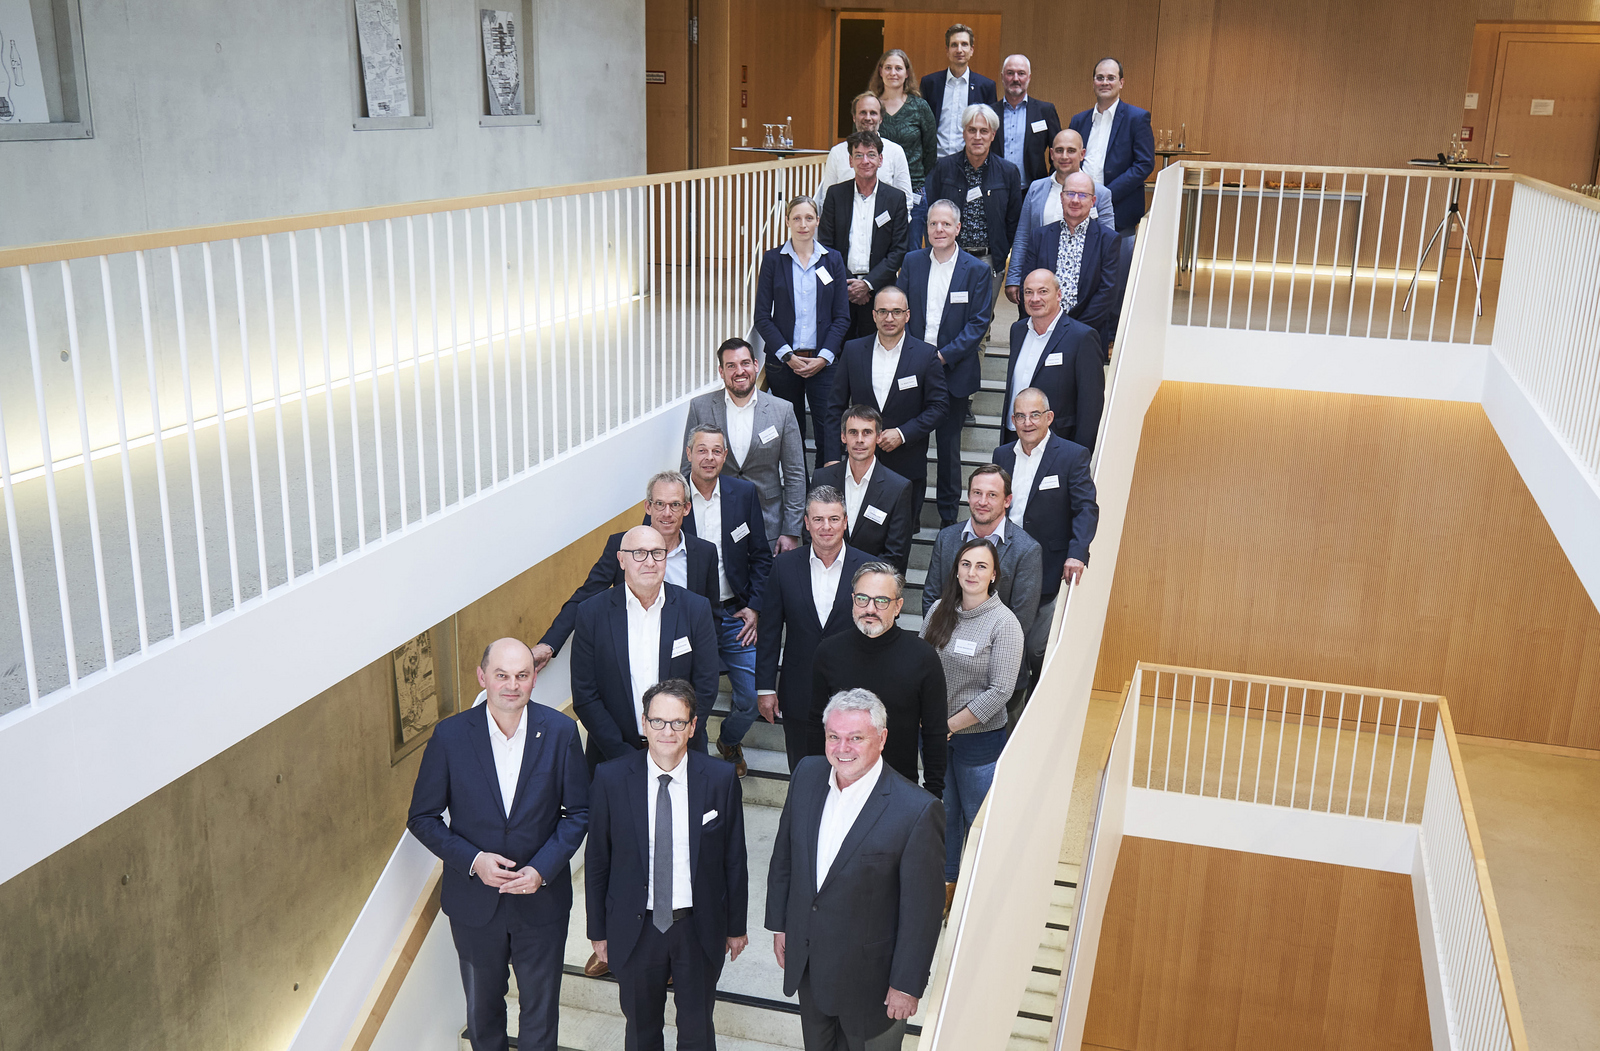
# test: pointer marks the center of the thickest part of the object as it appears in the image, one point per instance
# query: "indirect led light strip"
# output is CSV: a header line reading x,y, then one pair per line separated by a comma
x,y
178,431
1427,277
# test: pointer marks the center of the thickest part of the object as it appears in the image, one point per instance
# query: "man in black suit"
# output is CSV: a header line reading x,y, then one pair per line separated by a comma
x,y
987,189
512,776
691,562
854,894
877,501
1027,125
637,634
664,872
865,220
901,377
807,599
1083,256
949,92
1059,356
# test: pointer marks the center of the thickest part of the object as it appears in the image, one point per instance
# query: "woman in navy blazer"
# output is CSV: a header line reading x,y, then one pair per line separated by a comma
x,y
801,344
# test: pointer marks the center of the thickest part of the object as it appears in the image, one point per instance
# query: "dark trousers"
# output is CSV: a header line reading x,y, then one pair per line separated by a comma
x,y
795,739
949,487
1124,264
822,1032
535,953
861,323
782,381
642,988
910,461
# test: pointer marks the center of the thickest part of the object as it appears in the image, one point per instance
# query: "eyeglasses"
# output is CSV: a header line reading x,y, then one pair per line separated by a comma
x,y
662,505
1103,78
662,724
881,601
889,312
1027,417
654,554
1076,195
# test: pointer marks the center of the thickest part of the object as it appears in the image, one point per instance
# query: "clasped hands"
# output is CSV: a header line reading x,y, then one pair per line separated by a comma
x,y
503,874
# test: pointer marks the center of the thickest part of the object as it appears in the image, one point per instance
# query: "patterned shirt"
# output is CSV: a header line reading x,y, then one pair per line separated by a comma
x,y
1069,262
974,221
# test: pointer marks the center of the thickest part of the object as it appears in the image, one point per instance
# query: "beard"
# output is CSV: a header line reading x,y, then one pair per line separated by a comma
x,y
872,628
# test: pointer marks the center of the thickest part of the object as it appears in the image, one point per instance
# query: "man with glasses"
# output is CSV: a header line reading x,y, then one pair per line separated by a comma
x,y
1081,255
691,563
902,670
901,377
865,221
1053,353
667,888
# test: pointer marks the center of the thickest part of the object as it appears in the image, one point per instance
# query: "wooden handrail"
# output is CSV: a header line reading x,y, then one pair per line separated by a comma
x,y
369,1019
88,248
1297,683
1559,191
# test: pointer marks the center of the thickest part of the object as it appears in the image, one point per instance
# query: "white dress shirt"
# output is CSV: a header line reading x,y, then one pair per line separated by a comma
x,y
708,527
895,171
1094,151
885,360
508,755
1022,479
1028,358
741,425
955,101
644,647
678,795
839,813
854,495
825,582
678,564
863,211
939,277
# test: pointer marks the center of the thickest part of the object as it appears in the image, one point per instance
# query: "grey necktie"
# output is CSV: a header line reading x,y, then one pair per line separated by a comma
x,y
662,914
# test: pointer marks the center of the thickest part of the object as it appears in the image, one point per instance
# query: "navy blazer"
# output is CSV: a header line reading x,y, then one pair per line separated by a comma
x,y
1097,275
916,407
789,624
1002,198
1070,374
963,324
548,819
1130,157
602,680
888,492
774,318
980,89
607,574
888,237
1062,513
748,559
616,861
1036,144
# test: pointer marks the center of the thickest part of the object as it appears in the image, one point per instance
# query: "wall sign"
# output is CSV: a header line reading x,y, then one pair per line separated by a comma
x,y
655,76
1542,108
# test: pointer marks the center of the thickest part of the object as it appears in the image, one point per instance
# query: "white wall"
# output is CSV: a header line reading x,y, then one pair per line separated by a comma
x,y
208,112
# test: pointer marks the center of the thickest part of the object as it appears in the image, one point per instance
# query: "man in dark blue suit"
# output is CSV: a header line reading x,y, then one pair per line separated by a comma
x,y
691,562
512,776
1082,255
1061,357
793,620
878,502
949,92
948,292
1027,125
900,376
667,888
865,220
727,512
627,639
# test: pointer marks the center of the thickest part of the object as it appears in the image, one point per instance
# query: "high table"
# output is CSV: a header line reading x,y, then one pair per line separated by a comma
x,y
780,152
1453,217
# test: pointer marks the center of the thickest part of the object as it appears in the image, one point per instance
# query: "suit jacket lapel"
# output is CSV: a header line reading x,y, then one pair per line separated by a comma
x,y
699,788
841,597
636,784
1049,348
485,754
669,631
619,634
719,416
816,798
871,811
532,742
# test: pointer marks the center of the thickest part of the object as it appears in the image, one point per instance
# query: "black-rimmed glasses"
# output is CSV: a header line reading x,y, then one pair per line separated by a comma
x,y
654,554
880,601
662,724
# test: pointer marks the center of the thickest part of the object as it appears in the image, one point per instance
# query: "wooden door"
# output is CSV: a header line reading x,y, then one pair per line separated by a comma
x,y
1547,107
667,86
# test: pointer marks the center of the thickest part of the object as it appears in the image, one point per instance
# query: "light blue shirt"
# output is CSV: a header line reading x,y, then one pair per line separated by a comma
x,y
1016,130
804,280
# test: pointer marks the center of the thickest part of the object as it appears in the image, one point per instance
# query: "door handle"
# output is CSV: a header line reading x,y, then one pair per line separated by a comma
x,y
1502,155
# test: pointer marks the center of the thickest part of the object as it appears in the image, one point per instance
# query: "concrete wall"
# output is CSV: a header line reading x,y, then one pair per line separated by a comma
x,y
243,875
206,112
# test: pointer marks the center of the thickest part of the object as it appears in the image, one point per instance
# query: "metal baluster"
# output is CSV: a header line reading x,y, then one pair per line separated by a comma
x,y
160,445
416,371
394,365
277,409
327,400
88,463
472,355
488,337
522,329
359,487
305,405
377,395
455,356
114,352
438,379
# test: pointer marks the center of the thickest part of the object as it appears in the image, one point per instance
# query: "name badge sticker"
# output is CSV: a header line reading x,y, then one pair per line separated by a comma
x,y
906,382
680,646
974,193
882,218
1050,481
825,277
965,647
958,297
768,434
1053,359
1037,125
741,532
875,513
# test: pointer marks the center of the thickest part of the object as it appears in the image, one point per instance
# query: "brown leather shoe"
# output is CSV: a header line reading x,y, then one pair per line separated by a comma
x,y
595,968
949,896
734,753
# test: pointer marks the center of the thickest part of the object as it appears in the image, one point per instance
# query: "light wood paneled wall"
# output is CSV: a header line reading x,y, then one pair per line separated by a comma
x,y
1219,950
1375,541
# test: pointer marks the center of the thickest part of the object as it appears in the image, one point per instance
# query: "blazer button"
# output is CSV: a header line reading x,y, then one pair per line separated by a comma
x,y
813,908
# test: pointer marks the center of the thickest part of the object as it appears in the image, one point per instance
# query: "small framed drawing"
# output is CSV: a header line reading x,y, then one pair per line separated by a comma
x,y
422,688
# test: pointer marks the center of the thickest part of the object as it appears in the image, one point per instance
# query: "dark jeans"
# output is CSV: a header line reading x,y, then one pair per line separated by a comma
x,y
949,437
1124,263
642,988
487,954
782,381
740,663
919,223
967,777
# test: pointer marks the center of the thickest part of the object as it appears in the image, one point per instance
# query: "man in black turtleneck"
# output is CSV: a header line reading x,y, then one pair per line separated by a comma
x,y
901,669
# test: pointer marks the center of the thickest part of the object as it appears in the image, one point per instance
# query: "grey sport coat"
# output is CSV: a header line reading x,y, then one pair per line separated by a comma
x,y
775,462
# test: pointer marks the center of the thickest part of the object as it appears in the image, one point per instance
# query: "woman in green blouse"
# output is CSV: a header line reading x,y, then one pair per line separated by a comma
x,y
908,120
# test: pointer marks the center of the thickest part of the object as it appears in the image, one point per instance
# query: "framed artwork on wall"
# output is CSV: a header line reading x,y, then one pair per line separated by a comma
x,y
422,688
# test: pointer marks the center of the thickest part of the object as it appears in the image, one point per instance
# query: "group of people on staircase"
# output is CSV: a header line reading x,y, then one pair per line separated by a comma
x,y
788,573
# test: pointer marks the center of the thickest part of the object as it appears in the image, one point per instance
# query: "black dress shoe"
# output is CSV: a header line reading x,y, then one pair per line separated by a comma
x,y
946,523
970,421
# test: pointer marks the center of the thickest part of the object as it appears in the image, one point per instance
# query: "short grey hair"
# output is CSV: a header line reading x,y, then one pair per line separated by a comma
x,y
1026,62
665,476
824,494
945,202
857,700
979,111
887,570
706,428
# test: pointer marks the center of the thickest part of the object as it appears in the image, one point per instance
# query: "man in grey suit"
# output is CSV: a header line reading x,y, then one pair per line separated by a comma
x,y
764,443
855,885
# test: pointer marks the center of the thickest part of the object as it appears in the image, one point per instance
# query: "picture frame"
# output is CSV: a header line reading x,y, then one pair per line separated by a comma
x,y
422,688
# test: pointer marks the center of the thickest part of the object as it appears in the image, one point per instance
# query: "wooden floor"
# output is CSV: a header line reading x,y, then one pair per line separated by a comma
x,y
1218,950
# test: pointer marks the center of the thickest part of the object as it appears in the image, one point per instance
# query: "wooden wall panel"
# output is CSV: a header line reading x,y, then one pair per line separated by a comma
x,y
787,48
1374,541
1219,950
921,35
